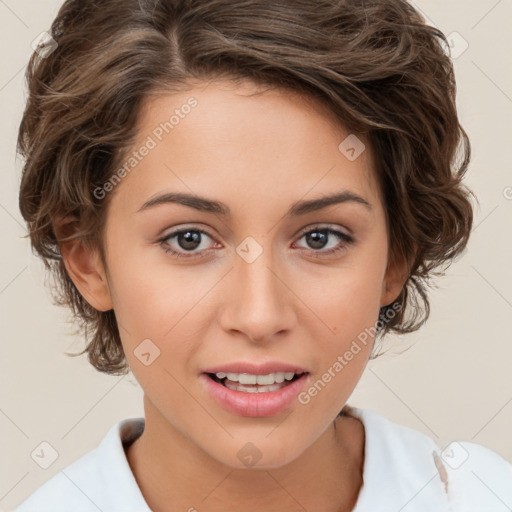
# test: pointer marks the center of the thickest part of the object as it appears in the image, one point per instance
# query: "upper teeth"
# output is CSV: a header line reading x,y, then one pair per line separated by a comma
x,y
247,378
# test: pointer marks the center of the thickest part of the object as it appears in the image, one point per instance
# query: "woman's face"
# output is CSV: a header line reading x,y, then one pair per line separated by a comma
x,y
268,277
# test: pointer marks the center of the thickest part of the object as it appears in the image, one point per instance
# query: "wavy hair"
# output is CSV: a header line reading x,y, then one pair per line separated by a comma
x,y
379,68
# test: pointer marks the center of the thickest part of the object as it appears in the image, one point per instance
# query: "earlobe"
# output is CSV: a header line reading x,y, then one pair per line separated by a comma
x,y
84,267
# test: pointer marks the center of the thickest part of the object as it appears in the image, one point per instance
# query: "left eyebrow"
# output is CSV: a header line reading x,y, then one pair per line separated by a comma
x,y
218,208
311,205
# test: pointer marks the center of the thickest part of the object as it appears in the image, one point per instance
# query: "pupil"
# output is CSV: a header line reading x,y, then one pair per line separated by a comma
x,y
319,239
191,239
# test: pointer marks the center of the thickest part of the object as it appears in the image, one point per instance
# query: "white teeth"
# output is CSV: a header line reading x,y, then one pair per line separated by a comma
x,y
262,380
245,378
253,389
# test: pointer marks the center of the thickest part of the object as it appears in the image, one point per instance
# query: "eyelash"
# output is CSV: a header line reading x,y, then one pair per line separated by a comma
x,y
347,239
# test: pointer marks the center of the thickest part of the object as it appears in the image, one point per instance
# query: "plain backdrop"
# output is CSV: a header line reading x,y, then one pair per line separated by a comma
x,y
454,383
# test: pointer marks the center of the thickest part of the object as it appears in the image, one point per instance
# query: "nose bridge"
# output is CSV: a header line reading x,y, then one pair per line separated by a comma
x,y
259,306
259,279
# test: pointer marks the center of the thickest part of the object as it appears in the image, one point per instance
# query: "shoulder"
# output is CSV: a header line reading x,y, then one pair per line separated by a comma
x,y
478,478
71,487
406,466
93,482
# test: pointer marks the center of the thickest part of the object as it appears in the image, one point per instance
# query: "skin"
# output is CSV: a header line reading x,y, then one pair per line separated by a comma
x,y
258,154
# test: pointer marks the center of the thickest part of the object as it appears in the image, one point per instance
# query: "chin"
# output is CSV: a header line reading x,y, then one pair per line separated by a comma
x,y
253,454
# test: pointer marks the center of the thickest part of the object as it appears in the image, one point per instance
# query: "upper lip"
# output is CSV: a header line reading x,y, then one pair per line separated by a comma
x,y
256,369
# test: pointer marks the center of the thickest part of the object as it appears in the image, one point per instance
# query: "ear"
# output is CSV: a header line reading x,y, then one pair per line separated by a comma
x,y
84,266
397,273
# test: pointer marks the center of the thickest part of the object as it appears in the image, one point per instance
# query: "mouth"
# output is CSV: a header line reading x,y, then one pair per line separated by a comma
x,y
248,383
255,389
255,394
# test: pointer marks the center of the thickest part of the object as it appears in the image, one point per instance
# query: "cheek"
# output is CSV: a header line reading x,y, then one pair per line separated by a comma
x,y
149,295
346,299
347,304
161,303
350,310
348,307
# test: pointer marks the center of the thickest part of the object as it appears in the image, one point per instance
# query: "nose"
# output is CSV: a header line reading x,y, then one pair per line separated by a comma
x,y
259,303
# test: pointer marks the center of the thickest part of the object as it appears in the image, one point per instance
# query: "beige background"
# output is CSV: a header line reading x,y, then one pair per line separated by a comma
x,y
454,383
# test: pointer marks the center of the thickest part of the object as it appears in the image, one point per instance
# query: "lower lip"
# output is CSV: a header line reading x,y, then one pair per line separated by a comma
x,y
255,404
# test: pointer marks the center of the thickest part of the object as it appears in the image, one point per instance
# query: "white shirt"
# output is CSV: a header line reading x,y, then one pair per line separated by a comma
x,y
400,474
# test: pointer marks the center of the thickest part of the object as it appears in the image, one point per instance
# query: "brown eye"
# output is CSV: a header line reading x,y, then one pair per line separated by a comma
x,y
318,238
187,240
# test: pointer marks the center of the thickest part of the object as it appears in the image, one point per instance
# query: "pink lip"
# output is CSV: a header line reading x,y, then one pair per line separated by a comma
x,y
255,404
256,369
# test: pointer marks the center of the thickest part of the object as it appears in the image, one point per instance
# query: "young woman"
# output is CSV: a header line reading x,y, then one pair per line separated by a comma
x,y
238,199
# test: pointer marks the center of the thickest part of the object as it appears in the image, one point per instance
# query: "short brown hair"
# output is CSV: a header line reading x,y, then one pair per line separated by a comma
x,y
378,67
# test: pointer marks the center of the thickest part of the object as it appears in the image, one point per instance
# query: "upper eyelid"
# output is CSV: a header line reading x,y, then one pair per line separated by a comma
x,y
175,232
306,229
321,226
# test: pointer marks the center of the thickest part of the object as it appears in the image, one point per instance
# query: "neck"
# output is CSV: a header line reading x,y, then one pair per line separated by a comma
x,y
174,474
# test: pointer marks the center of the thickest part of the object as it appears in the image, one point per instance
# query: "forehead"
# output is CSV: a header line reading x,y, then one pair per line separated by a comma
x,y
223,137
